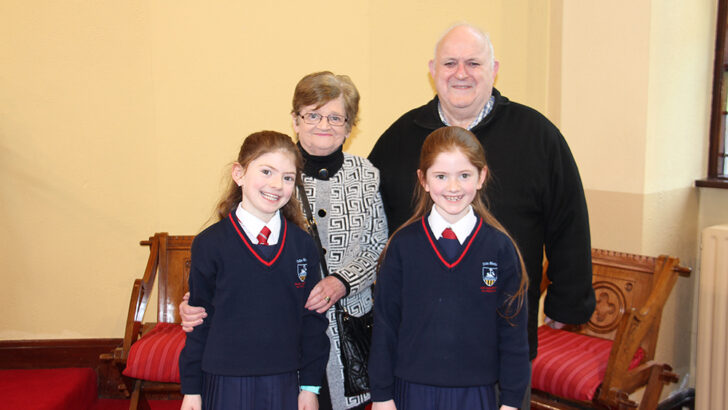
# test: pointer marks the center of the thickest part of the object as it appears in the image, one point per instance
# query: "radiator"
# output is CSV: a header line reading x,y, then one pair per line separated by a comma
x,y
711,383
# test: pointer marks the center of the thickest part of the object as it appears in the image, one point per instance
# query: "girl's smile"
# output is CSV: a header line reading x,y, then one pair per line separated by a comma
x,y
452,182
267,183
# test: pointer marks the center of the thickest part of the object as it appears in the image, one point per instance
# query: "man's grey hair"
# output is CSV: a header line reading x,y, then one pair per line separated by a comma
x,y
490,54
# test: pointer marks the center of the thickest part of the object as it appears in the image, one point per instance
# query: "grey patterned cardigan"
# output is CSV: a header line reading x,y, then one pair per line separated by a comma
x,y
353,232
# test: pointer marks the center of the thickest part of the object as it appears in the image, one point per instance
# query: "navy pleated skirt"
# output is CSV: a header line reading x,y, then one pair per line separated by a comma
x,y
274,392
413,396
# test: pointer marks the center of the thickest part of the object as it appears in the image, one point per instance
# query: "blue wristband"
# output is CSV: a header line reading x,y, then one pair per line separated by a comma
x,y
312,389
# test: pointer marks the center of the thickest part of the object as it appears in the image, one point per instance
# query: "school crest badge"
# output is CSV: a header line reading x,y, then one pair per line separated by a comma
x,y
302,271
489,273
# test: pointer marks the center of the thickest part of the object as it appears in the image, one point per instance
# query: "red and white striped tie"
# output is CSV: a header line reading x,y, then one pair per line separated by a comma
x,y
263,236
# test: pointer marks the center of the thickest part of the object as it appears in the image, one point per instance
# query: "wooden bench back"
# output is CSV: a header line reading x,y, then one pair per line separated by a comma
x,y
169,264
170,257
173,255
621,282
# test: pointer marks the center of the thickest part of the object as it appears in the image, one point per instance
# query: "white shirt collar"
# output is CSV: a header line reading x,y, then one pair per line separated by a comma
x,y
462,228
252,225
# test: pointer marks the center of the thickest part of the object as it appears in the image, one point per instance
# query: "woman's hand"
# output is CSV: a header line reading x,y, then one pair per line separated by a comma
x,y
384,405
307,400
191,402
191,315
329,287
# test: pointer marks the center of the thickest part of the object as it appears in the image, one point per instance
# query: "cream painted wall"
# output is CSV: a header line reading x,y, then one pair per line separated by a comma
x,y
79,164
713,207
604,95
117,120
679,88
682,36
636,80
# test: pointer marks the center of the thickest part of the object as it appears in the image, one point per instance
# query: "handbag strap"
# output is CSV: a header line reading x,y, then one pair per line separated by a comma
x,y
313,230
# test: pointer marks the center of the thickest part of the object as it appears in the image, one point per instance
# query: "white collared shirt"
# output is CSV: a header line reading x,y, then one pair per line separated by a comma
x,y
462,228
252,225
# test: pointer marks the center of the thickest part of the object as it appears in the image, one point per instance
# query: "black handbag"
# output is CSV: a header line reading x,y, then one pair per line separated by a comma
x,y
355,333
355,338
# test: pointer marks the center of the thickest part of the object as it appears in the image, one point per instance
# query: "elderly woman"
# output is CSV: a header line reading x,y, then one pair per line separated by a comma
x,y
343,191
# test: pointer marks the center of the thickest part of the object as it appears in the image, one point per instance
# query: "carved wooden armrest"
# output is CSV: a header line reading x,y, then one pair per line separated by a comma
x,y
140,293
619,382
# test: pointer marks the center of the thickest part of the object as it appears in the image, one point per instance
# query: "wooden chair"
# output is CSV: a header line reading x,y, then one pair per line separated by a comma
x,y
150,351
615,350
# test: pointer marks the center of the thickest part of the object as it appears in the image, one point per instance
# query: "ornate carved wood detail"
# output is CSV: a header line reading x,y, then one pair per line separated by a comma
x,y
186,273
611,306
623,260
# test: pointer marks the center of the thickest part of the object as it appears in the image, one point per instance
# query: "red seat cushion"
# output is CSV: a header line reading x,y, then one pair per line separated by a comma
x,y
155,356
572,365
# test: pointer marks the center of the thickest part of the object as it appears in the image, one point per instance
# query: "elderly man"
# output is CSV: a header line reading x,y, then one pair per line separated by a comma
x,y
535,191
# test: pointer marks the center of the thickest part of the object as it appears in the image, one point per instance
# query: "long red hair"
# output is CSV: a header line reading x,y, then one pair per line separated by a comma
x,y
449,139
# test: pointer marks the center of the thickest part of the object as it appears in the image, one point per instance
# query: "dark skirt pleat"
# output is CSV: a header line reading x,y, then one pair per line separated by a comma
x,y
413,396
275,392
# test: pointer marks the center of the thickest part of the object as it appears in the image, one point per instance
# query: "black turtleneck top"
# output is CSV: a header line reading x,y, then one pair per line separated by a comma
x,y
322,167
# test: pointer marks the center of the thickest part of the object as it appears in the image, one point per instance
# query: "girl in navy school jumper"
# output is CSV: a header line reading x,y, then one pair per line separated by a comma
x,y
259,344
450,314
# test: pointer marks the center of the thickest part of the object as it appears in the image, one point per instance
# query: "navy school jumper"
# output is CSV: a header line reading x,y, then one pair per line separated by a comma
x,y
437,321
256,324
534,190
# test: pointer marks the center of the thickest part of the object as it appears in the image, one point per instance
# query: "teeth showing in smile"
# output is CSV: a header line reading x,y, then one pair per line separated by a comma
x,y
453,198
270,197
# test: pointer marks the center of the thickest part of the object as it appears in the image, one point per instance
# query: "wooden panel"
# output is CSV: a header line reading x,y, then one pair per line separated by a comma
x,y
621,282
172,285
59,353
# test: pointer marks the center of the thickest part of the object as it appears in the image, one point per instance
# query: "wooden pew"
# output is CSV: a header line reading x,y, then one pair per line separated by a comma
x,y
631,291
149,353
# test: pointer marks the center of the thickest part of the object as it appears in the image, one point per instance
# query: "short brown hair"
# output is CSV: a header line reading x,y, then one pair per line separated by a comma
x,y
321,87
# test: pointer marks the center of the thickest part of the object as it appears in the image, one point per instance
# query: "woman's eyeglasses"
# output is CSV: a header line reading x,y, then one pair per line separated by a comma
x,y
314,118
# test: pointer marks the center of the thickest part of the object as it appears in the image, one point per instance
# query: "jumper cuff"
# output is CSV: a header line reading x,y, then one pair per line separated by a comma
x,y
510,398
382,394
346,284
191,384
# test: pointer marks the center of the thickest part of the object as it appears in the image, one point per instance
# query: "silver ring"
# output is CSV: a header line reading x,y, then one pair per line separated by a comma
x,y
327,299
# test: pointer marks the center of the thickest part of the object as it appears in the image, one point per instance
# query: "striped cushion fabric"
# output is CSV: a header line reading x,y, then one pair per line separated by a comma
x,y
572,365
155,356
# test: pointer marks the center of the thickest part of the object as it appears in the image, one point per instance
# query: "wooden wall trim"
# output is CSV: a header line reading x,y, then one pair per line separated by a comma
x,y
57,353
